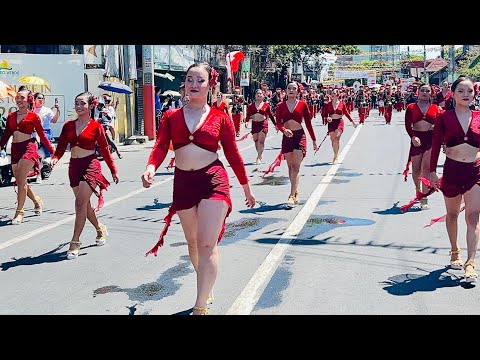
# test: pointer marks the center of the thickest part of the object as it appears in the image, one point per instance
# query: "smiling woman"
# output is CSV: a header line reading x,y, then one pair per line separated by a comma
x,y
24,154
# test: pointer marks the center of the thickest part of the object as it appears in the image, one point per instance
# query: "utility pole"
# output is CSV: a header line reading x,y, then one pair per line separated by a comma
x,y
425,64
451,55
126,77
148,92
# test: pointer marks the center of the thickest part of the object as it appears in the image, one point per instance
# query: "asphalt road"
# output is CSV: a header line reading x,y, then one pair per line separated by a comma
x,y
346,249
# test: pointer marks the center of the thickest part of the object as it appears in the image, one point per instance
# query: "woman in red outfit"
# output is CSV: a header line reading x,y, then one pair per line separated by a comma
x,y
220,104
443,98
85,171
20,125
201,190
259,111
333,111
460,130
420,118
389,100
289,116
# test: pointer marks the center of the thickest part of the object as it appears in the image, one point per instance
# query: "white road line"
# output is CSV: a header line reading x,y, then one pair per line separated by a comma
x,y
51,226
248,298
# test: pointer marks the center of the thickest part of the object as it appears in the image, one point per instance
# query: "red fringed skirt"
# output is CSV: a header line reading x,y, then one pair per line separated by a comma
x,y
336,124
425,142
459,177
88,169
258,126
297,142
25,150
190,187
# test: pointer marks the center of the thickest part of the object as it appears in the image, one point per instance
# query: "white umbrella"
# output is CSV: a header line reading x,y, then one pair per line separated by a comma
x,y
165,76
172,93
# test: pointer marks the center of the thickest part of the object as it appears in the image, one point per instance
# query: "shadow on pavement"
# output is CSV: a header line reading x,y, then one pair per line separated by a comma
x,y
49,257
395,210
408,284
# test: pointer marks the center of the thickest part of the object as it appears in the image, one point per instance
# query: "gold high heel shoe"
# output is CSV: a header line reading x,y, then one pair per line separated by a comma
x,y
424,204
290,202
200,310
295,198
38,205
101,235
18,218
458,263
470,275
73,254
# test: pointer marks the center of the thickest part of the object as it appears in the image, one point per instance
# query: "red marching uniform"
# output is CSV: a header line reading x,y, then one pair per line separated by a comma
x,y
237,108
87,168
223,106
210,182
264,110
388,108
298,140
312,100
26,149
381,106
413,114
341,109
440,98
458,177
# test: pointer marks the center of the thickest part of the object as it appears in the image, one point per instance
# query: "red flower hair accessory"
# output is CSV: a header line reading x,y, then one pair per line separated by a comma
x,y
95,102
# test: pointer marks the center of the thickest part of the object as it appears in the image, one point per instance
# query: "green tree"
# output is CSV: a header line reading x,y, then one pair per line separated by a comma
x,y
308,55
284,54
470,65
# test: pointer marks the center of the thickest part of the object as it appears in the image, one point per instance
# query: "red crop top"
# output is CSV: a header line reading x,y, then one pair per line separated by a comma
x,y
91,135
447,98
300,111
413,114
29,123
223,106
217,127
328,110
449,131
264,110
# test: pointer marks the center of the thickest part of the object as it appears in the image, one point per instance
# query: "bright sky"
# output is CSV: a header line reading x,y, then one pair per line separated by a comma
x,y
432,50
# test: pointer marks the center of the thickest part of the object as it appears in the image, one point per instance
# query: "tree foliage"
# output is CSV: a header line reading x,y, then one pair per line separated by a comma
x,y
470,66
284,54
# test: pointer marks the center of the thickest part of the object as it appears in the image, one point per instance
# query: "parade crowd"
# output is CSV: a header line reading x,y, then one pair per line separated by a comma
x,y
204,121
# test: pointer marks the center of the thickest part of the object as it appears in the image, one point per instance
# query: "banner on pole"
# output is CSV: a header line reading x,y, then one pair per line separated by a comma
x,y
245,74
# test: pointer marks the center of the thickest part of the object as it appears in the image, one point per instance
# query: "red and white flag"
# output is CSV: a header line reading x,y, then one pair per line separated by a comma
x,y
233,59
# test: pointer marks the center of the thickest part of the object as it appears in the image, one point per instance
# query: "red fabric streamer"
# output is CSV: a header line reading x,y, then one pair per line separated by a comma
x,y
419,195
442,218
171,163
168,220
243,137
276,162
